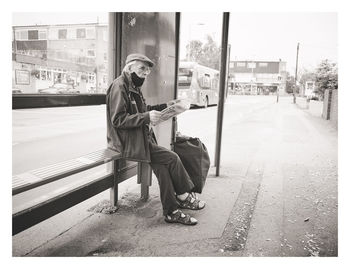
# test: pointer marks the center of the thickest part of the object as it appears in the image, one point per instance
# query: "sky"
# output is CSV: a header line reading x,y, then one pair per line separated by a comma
x,y
270,36
252,36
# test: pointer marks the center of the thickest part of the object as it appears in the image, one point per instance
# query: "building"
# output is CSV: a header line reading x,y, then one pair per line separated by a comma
x,y
257,77
74,54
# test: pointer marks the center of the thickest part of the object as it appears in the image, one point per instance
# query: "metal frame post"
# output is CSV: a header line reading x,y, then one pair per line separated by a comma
x,y
177,53
114,54
224,47
144,177
113,194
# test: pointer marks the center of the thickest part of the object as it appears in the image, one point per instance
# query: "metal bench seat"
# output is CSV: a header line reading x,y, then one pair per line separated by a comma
x,y
41,176
120,171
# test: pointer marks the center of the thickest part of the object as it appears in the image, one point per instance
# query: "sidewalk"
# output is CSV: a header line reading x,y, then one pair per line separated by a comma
x,y
247,212
138,229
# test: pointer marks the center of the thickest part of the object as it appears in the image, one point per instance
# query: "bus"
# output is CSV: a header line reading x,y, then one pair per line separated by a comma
x,y
198,83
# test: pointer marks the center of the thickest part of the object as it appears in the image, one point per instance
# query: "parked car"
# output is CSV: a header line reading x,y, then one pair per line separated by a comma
x,y
59,88
16,91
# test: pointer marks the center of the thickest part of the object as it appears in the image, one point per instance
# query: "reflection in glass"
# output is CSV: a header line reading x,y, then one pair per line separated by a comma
x,y
71,55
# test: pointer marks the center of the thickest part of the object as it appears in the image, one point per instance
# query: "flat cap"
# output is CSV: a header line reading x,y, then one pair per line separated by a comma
x,y
138,57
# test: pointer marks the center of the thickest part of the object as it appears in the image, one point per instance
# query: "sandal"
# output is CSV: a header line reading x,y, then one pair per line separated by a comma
x,y
180,217
191,202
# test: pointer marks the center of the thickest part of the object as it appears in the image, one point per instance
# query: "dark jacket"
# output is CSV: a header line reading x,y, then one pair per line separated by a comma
x,y
128,120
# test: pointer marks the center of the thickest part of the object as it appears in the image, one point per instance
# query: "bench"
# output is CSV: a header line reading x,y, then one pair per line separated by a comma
x,y
121,170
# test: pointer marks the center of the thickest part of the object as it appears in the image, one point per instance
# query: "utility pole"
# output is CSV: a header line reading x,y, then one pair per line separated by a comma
x,y
296,75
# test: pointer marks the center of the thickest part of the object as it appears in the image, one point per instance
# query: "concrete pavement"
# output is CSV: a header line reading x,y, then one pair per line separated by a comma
x,y
276,196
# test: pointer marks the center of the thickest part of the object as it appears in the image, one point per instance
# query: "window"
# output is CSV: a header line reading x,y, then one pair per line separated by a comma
x,y
33,35
251,65
23,35
62,34
240,64
263,64
42,35
205,83
81,33
214,83
91,53
232,65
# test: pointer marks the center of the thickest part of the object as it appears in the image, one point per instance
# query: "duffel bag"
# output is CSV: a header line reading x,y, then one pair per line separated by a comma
x,y
195,158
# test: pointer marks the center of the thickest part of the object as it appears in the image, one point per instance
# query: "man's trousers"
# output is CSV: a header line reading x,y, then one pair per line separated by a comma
x,y
171,174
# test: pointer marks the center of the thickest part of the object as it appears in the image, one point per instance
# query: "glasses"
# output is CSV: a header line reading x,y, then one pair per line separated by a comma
x,y
144,68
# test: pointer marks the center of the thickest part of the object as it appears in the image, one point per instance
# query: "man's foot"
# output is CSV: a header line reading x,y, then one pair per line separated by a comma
x,y
190,202
179,217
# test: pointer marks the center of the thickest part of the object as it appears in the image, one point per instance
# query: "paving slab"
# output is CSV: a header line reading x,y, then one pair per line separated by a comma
x,y
138,228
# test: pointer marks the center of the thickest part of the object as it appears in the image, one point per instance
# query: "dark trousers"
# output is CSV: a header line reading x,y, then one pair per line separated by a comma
x,y
171,174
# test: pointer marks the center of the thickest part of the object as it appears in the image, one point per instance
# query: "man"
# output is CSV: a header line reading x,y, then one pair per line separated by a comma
x,y
129,131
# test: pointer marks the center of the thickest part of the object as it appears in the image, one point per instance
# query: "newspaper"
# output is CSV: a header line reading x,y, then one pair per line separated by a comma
x,y
179,106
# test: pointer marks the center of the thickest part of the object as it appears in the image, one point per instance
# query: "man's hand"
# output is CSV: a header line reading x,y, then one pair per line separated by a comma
x,y
172,102
154,116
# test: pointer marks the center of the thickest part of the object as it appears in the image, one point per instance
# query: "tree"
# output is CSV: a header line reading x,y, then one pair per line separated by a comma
x,y
194,50
326,76
207,54
307,75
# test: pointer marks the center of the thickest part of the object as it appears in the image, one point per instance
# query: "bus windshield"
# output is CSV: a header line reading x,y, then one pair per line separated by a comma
x,y
185,76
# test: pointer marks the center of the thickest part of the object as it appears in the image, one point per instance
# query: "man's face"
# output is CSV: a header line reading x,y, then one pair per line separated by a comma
x,y
141,69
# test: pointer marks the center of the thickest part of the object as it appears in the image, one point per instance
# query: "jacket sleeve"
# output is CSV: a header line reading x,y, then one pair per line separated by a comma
x,y
157,107
118,103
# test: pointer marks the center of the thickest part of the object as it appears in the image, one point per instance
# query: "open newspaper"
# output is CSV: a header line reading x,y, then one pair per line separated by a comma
x,y
179,106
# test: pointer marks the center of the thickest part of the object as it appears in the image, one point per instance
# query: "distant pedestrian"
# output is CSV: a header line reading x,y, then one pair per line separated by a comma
x,y
129,131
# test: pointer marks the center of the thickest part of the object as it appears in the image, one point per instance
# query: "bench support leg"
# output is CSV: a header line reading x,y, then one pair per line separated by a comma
x,y
144,177
114,189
